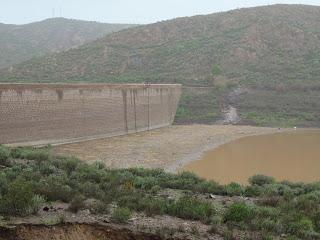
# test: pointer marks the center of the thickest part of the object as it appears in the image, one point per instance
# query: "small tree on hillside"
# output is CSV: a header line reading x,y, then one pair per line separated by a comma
x,y
215,70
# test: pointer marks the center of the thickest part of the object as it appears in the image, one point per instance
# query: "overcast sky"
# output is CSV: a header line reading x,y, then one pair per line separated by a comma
x,y
122,11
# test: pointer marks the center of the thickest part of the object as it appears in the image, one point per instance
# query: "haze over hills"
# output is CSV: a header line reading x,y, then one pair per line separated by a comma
x,y
263,61
19,43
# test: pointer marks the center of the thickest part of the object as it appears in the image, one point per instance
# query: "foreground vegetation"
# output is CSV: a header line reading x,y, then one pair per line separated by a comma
x,y
262,210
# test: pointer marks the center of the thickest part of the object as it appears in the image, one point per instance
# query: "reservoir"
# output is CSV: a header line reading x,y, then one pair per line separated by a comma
x,y
293,156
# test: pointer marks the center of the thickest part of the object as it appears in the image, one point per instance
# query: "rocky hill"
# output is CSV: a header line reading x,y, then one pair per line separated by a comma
x,y
22,42
262,63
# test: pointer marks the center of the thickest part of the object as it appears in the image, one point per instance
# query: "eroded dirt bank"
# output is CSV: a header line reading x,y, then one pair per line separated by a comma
x,y
71,232
169,148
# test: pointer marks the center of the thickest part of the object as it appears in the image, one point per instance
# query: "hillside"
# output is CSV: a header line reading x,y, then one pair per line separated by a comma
x,y
263,61
22,42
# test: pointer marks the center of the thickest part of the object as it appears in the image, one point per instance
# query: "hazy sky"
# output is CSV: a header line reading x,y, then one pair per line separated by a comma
x,y
122,11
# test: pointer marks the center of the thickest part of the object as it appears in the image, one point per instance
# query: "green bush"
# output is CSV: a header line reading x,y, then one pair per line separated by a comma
x,y
209,187
261,180
316,220
99,207
121,215
16,153
253,191
307,203
18,200
268,225
4,155
275,189
68,164
234,189
153,206
191,208
155,189
266,212
77,204
36,202
215,69
301,228
55,188
238,212
36,154
150,205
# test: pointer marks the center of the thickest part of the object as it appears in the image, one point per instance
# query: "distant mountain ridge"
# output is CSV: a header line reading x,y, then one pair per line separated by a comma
x,y
263,61
19,43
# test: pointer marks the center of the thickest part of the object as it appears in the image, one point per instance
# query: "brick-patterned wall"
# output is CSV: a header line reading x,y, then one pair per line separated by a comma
x,y
53,113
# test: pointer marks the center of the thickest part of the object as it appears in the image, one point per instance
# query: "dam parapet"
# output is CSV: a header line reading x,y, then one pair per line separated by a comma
x,y
37,114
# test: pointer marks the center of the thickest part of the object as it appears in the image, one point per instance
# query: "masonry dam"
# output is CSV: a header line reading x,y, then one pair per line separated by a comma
x,y
58,113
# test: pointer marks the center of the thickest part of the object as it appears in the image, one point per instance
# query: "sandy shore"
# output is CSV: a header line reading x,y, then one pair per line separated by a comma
x,y
170,148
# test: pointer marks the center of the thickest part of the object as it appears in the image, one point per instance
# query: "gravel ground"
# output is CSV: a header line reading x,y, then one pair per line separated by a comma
x,y
170,148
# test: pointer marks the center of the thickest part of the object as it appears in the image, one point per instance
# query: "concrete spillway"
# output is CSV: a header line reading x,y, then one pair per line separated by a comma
x,y
56,113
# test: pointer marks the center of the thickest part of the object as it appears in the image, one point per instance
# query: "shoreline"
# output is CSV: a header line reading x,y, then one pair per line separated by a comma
x,y
196,156
168,148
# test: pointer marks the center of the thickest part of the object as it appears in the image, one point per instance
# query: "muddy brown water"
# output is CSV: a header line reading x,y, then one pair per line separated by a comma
x,y
293,156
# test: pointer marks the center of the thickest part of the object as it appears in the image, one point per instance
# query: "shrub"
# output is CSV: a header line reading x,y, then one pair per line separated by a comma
x,y
307,203
275,189
268,225
227,234
36,202
261,180
272,201
216,220
3,183
234,189
121,215
238,212
67,164
153,206
266,212
39,155
215,69
155,189
316,220
253,191
18,200
46,168
77,204
209,187
99,207
132,201
192,208
145,183
55,188
301,227
4,155
16,153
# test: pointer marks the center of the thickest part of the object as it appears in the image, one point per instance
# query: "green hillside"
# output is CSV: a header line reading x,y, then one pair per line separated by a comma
x,y
264,61
19,43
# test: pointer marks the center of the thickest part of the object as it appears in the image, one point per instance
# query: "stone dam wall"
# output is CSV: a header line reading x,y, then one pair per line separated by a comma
x,y
55,113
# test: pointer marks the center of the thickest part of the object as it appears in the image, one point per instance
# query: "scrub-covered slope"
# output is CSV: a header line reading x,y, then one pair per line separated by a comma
x,y
22,42
264,61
